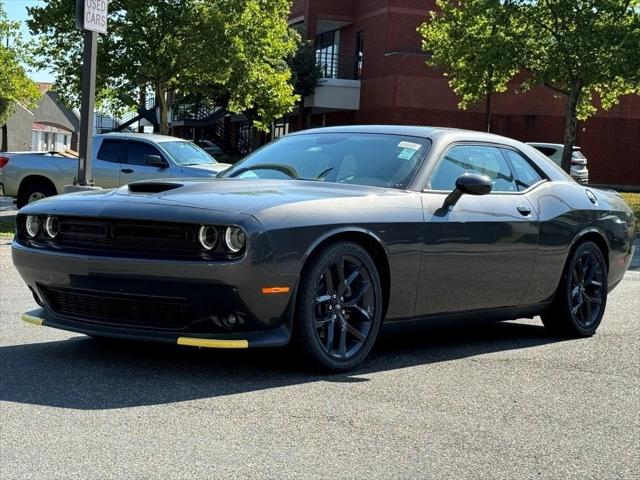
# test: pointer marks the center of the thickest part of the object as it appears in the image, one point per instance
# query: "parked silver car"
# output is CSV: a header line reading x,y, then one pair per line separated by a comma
x,y
118,159
579,170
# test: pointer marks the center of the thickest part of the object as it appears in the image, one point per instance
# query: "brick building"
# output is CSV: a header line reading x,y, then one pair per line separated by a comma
x,y
375,73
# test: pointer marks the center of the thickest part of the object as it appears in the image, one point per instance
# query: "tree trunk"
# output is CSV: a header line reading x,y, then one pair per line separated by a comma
x,y
302,114
161,95
488,111
142,105
5,140
570,127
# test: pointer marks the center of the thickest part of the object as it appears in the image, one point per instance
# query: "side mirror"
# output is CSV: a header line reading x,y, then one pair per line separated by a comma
x,y
155,161
469,184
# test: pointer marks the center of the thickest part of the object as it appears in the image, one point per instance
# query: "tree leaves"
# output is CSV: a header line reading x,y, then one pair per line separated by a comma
x,y
231,51
477,43
585,50
15,85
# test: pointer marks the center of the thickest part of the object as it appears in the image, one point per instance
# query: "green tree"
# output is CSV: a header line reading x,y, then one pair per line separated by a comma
x,y
306,77
477,44
587,51
231,50
15,85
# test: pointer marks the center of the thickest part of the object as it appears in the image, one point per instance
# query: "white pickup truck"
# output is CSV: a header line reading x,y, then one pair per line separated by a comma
x,y
118,159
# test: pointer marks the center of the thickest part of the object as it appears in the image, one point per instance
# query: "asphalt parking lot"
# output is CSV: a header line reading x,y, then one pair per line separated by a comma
x,y
499,401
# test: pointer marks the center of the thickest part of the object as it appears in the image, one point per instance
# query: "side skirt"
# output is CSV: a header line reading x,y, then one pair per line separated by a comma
x,y
475,316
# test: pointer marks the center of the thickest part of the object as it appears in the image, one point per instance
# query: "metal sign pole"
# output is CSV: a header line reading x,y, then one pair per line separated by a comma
x,y
88,106
91,19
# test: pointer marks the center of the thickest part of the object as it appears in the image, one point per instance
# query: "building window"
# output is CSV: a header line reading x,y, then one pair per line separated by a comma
x,y
327,48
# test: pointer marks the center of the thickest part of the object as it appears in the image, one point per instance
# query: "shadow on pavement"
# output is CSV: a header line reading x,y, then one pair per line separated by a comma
x,y
83,373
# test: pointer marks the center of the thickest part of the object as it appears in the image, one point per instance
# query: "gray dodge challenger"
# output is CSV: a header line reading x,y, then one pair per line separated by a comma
x,y
320,236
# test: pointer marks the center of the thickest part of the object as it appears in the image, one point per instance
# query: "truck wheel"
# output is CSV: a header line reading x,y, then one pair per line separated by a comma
x,y
33,191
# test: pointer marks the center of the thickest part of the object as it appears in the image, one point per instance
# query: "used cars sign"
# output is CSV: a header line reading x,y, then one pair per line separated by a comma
x,y
92,15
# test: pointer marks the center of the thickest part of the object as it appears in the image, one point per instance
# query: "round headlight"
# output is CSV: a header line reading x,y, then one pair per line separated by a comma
x,y
235,239
52,226
208,237
33,225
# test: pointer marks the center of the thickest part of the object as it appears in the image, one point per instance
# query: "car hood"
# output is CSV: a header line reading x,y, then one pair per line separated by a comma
x,y
214,194
249,196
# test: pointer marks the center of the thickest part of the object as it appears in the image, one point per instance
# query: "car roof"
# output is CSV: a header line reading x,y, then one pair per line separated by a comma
x,y
414,131
551,145
453,134
152,137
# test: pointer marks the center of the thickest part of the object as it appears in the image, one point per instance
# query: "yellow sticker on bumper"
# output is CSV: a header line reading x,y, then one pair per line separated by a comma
x,y
212,343
31,319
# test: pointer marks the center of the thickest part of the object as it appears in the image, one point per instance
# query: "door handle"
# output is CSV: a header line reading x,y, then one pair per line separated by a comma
x,y
126,170
525,211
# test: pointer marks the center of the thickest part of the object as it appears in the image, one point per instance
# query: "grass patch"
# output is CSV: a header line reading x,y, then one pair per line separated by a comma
x,y
633,200
7,226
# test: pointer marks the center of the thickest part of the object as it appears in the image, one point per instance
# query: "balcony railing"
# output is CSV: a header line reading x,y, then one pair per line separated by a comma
x,y
334,65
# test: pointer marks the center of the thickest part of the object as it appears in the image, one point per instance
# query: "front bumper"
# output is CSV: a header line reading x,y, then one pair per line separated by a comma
x,y
275,337
111,288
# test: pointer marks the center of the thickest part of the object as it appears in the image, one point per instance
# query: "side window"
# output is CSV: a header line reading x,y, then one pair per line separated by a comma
x,y
110,151
526,174
137,153
480,159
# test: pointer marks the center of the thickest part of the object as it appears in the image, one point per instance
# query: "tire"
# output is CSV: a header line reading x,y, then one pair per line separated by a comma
x,y
34,190
581,298
336,322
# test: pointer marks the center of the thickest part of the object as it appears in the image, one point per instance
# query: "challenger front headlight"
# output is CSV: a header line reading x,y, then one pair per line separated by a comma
x,y
208,237
32,225
52,226
235,239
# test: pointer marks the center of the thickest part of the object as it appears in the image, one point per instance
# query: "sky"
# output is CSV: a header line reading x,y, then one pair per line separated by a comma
x,y
17,10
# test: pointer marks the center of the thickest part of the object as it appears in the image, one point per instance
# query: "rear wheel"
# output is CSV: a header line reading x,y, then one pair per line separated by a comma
x,y
581,298
33,191
339,308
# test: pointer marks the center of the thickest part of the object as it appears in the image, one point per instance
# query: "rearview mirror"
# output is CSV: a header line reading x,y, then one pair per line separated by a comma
x,y
470,184
155,161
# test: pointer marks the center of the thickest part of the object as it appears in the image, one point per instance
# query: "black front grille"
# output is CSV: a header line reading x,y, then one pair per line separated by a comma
x,y
125,236
120,309
128,238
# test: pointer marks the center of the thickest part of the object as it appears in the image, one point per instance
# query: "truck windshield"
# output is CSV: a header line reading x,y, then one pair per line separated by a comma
x,y
186,153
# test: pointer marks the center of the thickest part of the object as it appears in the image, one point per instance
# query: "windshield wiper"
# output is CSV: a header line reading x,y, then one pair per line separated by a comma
x,y
324,174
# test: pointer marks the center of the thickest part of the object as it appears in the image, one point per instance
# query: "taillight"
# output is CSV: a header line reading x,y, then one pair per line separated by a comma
x,y
3,161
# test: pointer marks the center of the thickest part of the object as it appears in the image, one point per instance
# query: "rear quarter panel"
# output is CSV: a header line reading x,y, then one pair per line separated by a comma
x,y
59,170
566,215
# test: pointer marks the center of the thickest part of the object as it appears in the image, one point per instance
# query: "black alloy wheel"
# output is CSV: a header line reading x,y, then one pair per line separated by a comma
x,y
339,307
581,298
586,289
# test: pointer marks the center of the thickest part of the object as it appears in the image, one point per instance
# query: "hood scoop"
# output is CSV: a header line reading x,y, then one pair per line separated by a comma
x,y
153,187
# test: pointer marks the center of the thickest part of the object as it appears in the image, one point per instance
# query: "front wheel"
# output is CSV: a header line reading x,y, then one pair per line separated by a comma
x,y
581,298
339,307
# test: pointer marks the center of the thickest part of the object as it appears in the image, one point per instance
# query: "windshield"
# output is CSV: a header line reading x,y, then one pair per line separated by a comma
x,y
186,153
375,160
